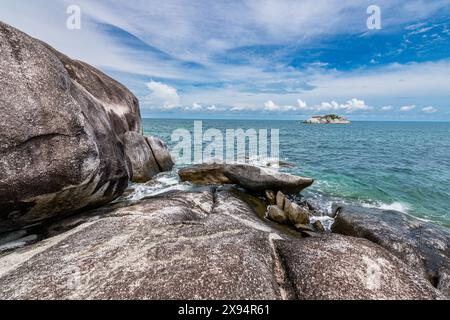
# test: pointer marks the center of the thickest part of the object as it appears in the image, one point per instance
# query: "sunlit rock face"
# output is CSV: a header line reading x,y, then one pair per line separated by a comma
x,y
62,133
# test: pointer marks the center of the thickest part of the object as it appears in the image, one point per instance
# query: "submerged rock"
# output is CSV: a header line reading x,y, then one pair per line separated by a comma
x,y
249,177
425,247
62,133
336,267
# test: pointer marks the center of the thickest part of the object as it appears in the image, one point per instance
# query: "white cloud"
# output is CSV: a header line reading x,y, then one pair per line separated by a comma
x,y
351,106
195,107
163,95
386,108
212,108
302,104
429,109
407,108
273,107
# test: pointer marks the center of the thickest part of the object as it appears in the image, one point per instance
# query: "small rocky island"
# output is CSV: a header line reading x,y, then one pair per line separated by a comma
x,y
70,143
327,119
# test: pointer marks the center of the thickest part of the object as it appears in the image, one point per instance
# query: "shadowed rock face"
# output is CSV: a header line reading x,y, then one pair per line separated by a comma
x,y
202,244
249,177
61,136
425,247
149,156
346,268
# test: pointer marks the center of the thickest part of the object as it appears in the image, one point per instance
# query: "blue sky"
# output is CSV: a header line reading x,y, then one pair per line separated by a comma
x,y
260,59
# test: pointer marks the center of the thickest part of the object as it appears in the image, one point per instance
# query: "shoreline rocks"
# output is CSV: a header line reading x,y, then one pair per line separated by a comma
x,y
288,212
251,178
69,134
335,267
423,246
157,248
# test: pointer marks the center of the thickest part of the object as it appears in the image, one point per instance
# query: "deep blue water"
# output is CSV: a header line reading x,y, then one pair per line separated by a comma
x,y
399,165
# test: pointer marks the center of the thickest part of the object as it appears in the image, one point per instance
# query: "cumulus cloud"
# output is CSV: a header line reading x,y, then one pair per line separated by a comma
x,y
407,108
273,107
350,106
163,96
386,108
429,109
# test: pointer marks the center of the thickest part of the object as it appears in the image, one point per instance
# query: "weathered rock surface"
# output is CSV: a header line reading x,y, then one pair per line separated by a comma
x,y
161,153
274,213
288,212
249,177
295,213
176,246
62,128
271,197
346,268
144,165
149,156
425,247
202,244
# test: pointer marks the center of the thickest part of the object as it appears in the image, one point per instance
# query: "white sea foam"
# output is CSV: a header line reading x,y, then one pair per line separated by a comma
x,y
396,206
162,183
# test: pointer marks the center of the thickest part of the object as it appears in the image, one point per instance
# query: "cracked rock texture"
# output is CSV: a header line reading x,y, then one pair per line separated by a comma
x,y
424,246
202,244
62,133
347,268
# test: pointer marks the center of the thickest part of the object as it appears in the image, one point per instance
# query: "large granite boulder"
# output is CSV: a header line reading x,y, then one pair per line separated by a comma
x,y
344,268
252,178
424,246
62,133
148,155
161,153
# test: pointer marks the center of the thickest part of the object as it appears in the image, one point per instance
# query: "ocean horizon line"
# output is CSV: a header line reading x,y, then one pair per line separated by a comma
x,y
290,120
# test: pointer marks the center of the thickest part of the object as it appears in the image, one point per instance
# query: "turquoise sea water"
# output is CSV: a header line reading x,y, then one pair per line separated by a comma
x,y
403,166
